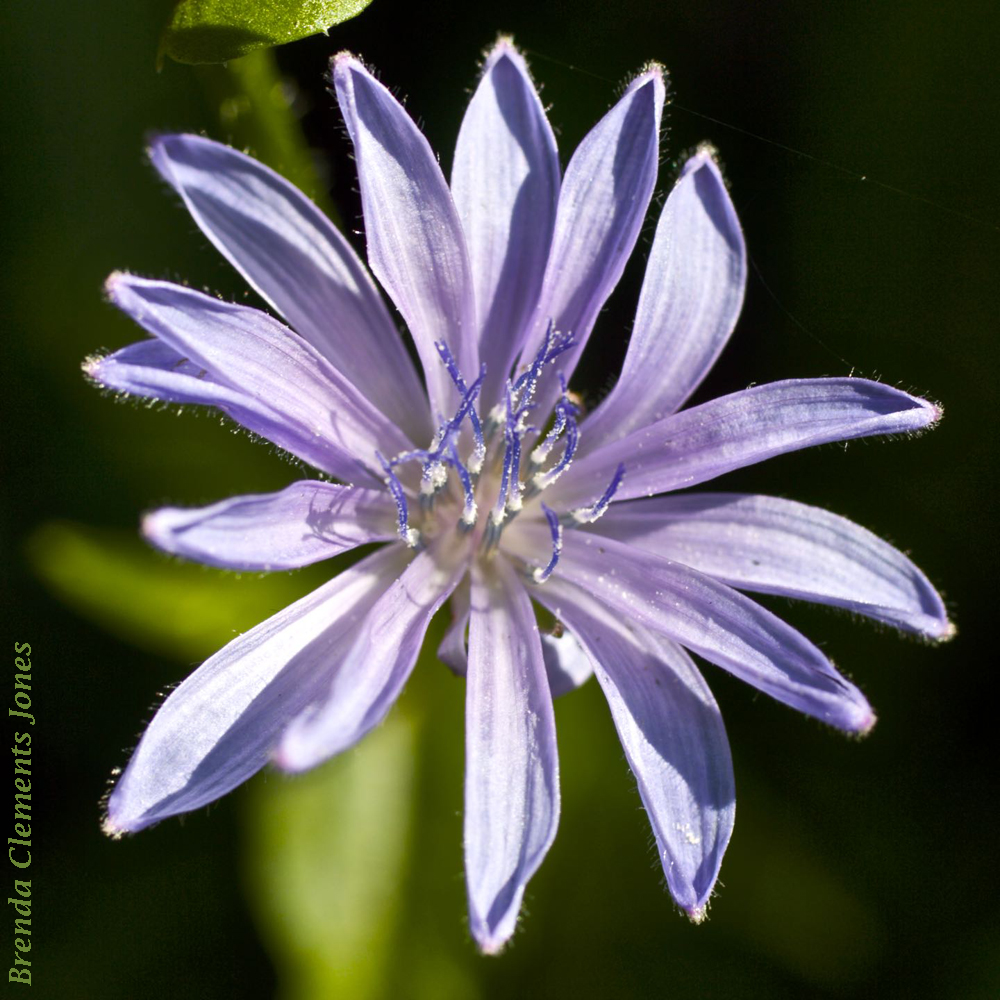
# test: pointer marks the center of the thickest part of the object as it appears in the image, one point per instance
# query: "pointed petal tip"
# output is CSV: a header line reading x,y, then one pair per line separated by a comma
x,y
110,830
934,628
489,941
156,143
697,914
650,86
151,527
926,413
850,714
492,950
502,46
866,722
116,821
164,148
948,632
91,365
706,155
112,283
922,413
491,947
652,74
653,70
504,49
344,60
119,288
110,827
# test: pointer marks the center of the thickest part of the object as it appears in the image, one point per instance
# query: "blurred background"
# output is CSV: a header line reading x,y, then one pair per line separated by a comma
x,y
861,144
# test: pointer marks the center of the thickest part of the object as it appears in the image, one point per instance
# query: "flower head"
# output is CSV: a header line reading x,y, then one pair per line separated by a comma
x,y
489,486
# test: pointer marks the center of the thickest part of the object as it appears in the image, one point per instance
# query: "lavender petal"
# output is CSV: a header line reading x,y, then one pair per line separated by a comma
x,y
566,663
299,263
742,429
218,728
453,651
274,383
603,200
153,370
369,676
672,733
505,182
710,619
777,546
511,766
415,244
690,300
304,523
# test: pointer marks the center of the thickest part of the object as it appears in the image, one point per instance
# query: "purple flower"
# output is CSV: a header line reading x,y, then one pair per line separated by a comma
x,y
498,491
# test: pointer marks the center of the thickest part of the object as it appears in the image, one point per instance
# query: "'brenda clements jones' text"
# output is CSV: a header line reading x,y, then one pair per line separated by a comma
x,y
19,847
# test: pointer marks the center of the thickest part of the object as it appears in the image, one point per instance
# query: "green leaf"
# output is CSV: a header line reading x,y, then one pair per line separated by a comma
x,y
254,111
162,606
214,31
327,856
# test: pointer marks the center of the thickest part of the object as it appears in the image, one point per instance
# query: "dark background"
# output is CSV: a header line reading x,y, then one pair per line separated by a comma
x,y
861,145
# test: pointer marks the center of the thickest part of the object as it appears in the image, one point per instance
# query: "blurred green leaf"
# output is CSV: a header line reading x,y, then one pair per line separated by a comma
x,y
254,107
214,31
165,607
327,857
806,913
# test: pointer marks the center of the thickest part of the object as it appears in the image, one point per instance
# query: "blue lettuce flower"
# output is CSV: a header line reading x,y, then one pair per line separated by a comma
x,y
485,481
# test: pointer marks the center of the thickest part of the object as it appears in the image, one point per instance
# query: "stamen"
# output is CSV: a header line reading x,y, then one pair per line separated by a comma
x,y
470,510
553,345
499,508
538,574
479,454
466,407
442,453
566,411
433,479
514,502
541,453
478,457
444,352
409,535
513,415
543,480
587,515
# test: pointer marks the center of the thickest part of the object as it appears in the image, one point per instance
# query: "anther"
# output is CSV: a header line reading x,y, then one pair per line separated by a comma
x,y
443,452
470,510
553,345
514,502
433,479
538,574
479,452
500,507
587,515
409,535
565,414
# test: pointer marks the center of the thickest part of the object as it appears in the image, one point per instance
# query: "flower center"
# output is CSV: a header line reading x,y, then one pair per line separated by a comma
x,y
486,460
